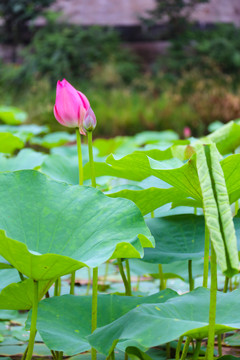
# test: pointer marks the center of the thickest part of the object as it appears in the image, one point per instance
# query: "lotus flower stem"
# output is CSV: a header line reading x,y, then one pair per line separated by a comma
x,y
190,276
213,305
90,152
95,270
126,284
161,277
129,277
72,283
185,349
80,164
197,350
206,258
33,328
178,349
56,287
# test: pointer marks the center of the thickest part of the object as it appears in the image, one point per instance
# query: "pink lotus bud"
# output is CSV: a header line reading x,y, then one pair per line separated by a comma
x,y
70,106
89,121
187,132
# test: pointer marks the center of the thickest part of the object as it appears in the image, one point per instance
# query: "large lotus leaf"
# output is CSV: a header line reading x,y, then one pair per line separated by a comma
x,y
119,145
155,324
53,228
9,143
29,129
179,237
71,150
149,137
61,168
217,209
64,322
25,159
8,276
11,115
54,139
226,138
231,168
138,166
150,199
19,296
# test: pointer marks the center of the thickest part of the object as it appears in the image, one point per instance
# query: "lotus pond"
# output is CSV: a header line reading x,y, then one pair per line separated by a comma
x,y
139,262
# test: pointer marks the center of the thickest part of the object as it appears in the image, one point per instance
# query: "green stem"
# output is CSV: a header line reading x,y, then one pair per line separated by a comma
x,y
219,345
125,356
33,328
106,272
25,353
152,214
190,276
90,152
213,304
161,278
72,284
206,258
53,355
94,306
197,350
21,276
178,349
185,349
129,277
56,287
225,289
89,281
113,355
195,211
80,164
80,178
168,350
126,285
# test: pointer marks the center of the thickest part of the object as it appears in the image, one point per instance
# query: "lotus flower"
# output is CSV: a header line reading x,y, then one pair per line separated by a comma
x,y
70,106
89,121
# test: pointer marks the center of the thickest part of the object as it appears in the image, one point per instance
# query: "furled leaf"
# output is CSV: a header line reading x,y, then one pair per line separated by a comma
x,y
54,228
216,207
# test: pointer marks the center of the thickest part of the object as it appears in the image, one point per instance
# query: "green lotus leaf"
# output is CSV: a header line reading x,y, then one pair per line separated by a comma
x,y
51,228
54,139
25,159
233,340
183,315
218,215
226,138
19,296
148,200
11,115
9,143
149,137
179,237
62,330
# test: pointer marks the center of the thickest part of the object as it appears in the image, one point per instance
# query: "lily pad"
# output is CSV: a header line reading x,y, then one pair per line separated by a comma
x,y
54,228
